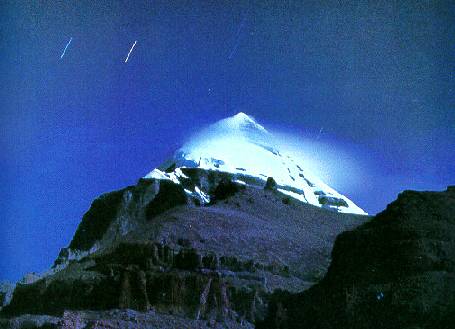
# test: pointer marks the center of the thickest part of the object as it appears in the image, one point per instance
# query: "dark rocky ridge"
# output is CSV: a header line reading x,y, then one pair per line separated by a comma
x,y
96,221
396,271
216,262
168,196
6,292
244,259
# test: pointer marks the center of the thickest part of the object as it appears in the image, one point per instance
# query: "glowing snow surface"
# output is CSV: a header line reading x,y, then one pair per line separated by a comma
x,y
241,146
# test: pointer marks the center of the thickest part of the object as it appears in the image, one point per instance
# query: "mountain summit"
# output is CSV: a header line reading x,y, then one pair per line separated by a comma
x,y
209,236
240,146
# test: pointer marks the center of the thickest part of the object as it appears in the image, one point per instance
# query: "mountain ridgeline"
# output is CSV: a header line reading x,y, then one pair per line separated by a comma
x,y
233,233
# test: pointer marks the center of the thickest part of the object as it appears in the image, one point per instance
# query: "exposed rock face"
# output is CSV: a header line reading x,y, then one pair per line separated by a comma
x,y
96,221
225,189
6,293
270,184
396,271
169,195
155,247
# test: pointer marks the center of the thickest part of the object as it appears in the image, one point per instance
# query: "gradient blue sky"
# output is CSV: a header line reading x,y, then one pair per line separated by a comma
x,y
377,76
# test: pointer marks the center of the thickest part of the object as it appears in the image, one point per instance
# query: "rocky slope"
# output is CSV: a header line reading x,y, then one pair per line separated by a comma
x,y
396,271
154,247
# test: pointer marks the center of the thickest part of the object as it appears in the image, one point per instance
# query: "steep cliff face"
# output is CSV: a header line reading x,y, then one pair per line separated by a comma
x,y
396,271
154,246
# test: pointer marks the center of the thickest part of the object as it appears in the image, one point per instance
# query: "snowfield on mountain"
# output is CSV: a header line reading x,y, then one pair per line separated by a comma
x,y
240,146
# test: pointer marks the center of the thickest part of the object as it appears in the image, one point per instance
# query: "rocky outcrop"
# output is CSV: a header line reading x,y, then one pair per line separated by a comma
x,y
97,220
396,271
270,184
6,293
144,275
225,189
169,195
115,214
159,250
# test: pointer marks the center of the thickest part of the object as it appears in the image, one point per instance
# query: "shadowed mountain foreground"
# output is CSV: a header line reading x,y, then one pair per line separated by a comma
x,y
248,259
396,271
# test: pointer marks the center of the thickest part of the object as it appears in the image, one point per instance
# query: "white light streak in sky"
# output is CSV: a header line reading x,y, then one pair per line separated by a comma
x,y
132,47
237,38
64,50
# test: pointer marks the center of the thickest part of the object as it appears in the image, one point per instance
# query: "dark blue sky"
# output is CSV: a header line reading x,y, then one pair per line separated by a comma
x,y
378,77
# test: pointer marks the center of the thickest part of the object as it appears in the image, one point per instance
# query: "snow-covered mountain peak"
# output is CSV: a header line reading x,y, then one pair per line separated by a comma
x,y
241,126
240,146
241,121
